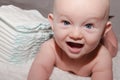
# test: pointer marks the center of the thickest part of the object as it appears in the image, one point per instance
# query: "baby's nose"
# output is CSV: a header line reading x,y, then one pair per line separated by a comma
x,y
76,34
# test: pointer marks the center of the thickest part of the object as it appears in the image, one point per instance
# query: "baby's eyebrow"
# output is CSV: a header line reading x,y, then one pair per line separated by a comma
x,y
110,17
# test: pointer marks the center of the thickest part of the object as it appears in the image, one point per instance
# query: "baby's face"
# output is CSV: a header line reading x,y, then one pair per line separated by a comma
x,y
78,25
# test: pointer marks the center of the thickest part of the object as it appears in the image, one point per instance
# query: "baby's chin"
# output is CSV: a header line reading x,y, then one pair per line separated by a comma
x,y
75,56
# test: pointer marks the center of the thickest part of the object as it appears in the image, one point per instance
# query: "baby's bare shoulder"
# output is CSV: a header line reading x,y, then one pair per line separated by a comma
x,y
48,44
46,51
48,47
103,60
103,66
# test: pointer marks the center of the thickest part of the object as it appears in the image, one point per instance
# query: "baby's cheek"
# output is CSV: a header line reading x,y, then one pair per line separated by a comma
x,y
93,41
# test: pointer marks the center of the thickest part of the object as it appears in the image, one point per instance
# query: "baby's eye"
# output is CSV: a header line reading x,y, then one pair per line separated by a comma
x,y
66,22
89,26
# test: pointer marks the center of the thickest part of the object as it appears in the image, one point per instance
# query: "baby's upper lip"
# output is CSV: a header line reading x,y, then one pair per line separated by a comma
x,y
75,44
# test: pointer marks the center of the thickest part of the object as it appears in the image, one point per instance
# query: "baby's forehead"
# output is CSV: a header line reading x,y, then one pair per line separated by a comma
x,y
84,6
104,3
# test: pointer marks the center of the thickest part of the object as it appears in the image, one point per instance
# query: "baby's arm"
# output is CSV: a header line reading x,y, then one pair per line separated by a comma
x,y
111,43
103,67
43,64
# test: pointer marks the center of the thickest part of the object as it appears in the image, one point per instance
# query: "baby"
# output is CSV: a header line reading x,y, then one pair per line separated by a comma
x,y
76,47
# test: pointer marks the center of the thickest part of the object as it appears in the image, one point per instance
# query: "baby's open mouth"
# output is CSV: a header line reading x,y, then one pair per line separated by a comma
x,y
75,45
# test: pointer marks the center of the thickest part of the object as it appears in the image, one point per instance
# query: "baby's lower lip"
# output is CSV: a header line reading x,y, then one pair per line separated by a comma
x,y
74,47
75,50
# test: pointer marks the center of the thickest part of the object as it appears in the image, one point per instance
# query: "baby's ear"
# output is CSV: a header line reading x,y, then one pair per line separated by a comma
x,y
108,27
51,18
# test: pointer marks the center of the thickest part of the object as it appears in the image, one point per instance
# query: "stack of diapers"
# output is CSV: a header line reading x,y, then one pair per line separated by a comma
x,y
21,33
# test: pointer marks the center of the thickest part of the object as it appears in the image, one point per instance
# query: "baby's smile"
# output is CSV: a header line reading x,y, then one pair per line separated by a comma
x,y
75,47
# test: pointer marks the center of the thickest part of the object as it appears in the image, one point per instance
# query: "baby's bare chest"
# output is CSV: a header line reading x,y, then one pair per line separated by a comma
x,y
82,66
75,68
